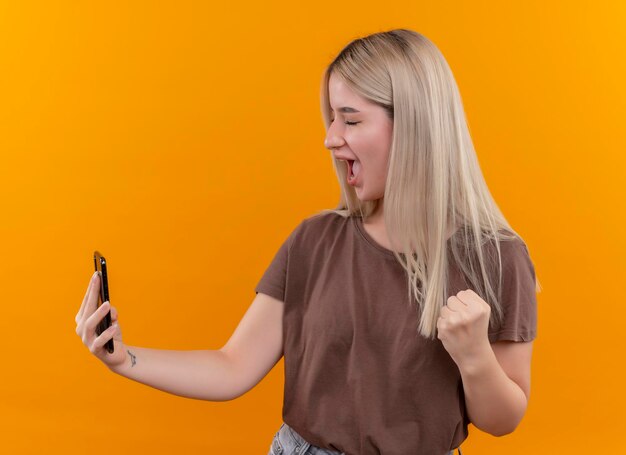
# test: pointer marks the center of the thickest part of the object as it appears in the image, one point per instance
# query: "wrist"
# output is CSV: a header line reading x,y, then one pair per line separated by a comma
x,y
479,361
122,367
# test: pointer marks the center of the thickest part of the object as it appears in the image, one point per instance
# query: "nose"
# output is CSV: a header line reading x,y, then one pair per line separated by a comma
x,y
332,140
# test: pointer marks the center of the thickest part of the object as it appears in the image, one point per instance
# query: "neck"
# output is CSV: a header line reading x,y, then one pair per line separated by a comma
x,y
377,215
376,219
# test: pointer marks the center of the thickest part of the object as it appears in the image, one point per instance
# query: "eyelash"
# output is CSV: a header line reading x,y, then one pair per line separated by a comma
x,y
347,123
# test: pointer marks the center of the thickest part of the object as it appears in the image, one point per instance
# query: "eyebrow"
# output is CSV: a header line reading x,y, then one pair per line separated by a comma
x,y
346,110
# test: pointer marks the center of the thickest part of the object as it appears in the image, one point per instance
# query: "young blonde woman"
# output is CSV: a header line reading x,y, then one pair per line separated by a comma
x,y
405,313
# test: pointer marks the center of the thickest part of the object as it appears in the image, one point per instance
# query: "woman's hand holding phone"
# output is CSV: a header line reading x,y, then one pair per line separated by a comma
x,y
87,319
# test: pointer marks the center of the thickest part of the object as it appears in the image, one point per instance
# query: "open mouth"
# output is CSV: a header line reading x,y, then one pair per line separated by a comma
x,y
354,167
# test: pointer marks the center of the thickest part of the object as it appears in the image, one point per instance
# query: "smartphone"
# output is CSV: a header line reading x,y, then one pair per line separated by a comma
x,y
101,267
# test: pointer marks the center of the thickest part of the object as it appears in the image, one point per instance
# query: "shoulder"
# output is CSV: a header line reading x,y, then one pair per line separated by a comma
x,y
513,249
515,254
512,262
518,270
322,222
325,216
319,230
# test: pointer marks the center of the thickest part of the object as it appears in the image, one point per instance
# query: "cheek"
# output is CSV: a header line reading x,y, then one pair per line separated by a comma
x,y
373,150
377,161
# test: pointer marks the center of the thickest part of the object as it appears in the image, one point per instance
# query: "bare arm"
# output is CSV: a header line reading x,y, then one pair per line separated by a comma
x,y
497,386
201,374
215,375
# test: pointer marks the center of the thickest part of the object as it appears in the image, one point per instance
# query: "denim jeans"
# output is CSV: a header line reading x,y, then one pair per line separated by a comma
x,y
287,442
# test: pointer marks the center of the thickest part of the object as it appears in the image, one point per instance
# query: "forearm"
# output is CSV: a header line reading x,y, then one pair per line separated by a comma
x,y
199,374
495,404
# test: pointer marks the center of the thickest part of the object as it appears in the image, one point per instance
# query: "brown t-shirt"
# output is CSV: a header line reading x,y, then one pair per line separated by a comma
x,y
358,376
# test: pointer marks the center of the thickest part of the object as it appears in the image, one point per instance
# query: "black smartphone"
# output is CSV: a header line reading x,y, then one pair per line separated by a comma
x,y
101,267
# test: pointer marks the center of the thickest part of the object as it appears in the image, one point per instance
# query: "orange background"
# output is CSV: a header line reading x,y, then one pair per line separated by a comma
x,y
185,142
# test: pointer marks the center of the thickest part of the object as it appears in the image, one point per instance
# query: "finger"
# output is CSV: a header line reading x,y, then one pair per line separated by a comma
x,y
92,298
113,314
81,310
440,328
102,339
95,278
466,296
445,312
455,304
89,333
96,317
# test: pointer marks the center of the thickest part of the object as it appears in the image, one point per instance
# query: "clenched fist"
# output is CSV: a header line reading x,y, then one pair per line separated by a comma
x,y
463,324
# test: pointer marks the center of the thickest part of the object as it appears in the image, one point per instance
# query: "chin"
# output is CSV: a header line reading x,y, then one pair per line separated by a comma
x,y
366,197
363,197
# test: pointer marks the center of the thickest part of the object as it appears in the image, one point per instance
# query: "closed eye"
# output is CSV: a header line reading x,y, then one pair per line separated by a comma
x,y
346,122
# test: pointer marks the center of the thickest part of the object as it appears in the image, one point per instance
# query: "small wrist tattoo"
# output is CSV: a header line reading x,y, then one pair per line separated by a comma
x,y
133,358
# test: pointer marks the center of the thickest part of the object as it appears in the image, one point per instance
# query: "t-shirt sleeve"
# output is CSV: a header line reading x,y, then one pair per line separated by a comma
x,y
519,299
274,281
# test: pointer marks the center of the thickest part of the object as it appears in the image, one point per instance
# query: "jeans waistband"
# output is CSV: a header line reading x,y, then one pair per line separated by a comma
x,y
287,442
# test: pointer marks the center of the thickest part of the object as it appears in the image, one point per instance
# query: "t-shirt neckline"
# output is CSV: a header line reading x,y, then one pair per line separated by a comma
x,y
358,223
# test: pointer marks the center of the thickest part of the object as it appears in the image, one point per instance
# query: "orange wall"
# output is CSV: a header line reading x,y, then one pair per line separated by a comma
x,y
165,137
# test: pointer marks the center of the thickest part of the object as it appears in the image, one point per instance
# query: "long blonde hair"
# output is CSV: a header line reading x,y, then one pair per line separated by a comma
x,y
434,182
